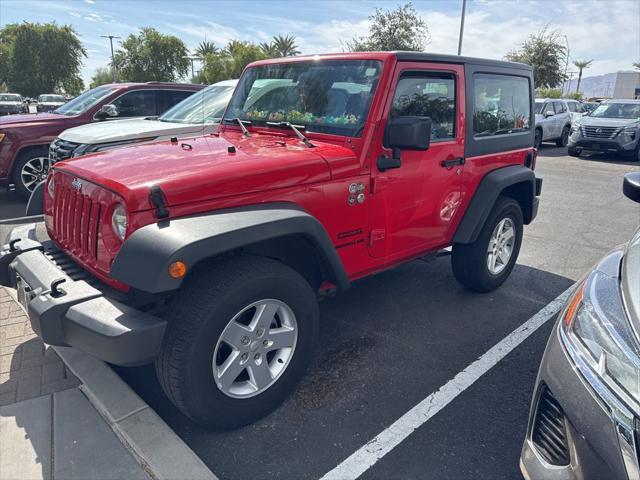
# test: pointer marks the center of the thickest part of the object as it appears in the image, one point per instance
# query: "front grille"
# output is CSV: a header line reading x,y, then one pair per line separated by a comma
x,y
599,132
76,222
61,150
549,433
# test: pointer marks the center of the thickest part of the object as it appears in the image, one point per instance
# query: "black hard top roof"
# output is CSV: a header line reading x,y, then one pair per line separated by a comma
x,y
440,58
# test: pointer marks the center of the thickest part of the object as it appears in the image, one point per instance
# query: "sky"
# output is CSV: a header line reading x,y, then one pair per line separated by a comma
x,y
607,31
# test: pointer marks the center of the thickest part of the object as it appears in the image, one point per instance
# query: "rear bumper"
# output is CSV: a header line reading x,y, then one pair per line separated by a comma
x,y
66,312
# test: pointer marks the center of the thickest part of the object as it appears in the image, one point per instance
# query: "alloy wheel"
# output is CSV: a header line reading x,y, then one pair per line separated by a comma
x,y
501,246
34,171
255,348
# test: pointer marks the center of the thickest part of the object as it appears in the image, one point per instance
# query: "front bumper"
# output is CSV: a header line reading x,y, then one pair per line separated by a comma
x,y
596,441
616,145
69,312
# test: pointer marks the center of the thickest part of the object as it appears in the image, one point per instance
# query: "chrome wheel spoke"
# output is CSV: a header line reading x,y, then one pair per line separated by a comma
x,y
229,370
500,246
281,338
264,316
260,374
236,334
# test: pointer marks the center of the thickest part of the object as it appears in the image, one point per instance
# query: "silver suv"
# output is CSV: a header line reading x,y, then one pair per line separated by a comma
x,y
553,119
612,127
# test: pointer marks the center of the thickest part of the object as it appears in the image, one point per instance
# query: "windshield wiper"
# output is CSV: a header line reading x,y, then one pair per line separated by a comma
x,y
295,128
245,132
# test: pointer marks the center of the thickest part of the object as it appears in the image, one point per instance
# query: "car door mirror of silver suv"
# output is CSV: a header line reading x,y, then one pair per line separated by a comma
x,y
549,113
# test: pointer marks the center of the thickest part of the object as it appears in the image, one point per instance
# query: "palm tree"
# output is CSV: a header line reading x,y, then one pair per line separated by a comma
x,y
234,46
268,49
285,46
636,65
205,48
581,65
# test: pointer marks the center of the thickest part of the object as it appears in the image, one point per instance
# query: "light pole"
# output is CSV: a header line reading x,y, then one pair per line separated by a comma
x,y
566,65
464,8
113,60
192,58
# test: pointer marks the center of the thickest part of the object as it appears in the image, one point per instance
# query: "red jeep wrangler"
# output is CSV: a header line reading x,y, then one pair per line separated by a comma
x,y
207,255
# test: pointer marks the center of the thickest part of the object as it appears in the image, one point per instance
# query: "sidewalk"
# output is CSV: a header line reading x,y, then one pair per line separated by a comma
x,y
48,427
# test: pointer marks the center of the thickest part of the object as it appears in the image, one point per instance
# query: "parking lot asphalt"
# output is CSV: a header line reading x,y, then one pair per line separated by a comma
x,y
397,337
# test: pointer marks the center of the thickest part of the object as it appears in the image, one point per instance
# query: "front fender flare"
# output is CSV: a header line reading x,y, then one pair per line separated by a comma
x,y
145,256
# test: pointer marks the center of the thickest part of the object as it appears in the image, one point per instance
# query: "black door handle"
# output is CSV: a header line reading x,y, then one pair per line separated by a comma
x,y
453,162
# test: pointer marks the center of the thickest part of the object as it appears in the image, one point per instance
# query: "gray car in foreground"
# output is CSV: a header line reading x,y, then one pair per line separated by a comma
x,y
585,414
614,126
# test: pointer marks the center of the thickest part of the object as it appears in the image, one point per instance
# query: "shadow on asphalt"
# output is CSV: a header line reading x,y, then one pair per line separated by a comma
x,y
12,205
384,345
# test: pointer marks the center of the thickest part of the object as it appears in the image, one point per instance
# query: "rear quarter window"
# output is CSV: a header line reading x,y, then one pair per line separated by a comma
x,y
502,105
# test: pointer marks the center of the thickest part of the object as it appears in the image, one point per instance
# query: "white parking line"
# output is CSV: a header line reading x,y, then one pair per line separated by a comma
x,y
367,456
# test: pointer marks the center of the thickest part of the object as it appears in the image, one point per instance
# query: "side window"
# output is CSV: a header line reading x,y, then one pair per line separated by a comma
x,y
579,107
429,95
502,104
572,106
138,103
173,97
559,107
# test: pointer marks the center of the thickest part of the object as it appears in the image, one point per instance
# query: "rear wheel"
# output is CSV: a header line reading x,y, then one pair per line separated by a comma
x,y
240,335
485,264
564,138
30,169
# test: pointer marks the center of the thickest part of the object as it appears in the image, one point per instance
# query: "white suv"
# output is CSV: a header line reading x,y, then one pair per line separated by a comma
x,y
553,119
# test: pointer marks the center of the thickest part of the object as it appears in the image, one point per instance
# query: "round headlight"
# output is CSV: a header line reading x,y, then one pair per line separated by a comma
x,y
51,186
119,221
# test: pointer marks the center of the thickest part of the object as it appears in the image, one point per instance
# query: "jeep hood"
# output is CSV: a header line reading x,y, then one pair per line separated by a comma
x,y
130,129
30,119
202,168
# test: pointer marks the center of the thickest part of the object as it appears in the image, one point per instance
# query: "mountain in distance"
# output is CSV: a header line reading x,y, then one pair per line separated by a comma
x,y
596,86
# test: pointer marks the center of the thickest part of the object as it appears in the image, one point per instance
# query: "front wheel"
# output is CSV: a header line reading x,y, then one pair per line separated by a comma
x,y
240,336
485,264
564,138
30,169
574,152
537,141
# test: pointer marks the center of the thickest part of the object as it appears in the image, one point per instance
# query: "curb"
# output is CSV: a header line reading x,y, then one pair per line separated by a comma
x,y
156,447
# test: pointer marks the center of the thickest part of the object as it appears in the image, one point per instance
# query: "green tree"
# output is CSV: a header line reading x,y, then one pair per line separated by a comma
x,y
285,46
546,53
399,29
231,61
40,58
581,65
636,65
152,56
548,93
102,76
205,48
575,95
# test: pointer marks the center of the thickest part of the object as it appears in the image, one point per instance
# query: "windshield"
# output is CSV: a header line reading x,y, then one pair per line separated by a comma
x,y
204,107
322,96
50,98
85,101
629,111
10,98
538,106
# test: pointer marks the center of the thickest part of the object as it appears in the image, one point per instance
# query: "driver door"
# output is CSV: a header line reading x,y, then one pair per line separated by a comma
x,y
413,207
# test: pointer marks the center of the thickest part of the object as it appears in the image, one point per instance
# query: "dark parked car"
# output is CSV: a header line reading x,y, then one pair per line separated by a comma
x,y
49,103
25,139
12,103
586,404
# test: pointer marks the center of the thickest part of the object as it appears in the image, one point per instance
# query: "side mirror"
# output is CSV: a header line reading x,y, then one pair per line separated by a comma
x,y
404,133
549,113
107,111
631,186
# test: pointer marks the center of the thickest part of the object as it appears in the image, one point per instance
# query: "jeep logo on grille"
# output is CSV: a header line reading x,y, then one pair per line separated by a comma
x,y
76,184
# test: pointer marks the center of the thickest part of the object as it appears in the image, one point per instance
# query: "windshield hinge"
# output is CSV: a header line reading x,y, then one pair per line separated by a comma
x,y
158,200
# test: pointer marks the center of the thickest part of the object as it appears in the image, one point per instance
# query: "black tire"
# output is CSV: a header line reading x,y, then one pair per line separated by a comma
x,y
537,142
469,261
574,152
196,320
21,187
564,138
